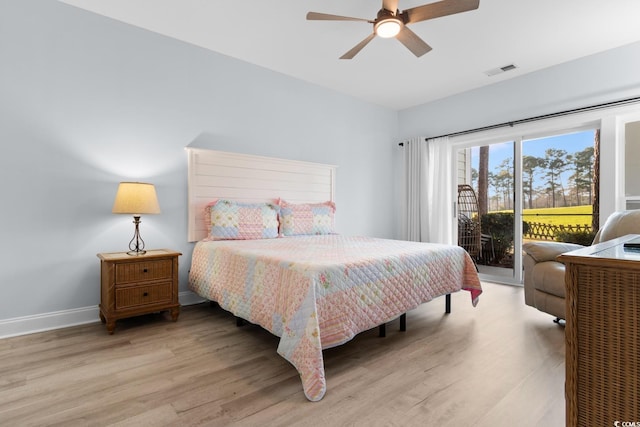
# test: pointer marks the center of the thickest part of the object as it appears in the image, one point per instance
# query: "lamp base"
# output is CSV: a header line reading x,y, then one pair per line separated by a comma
x,y
136,245
136,253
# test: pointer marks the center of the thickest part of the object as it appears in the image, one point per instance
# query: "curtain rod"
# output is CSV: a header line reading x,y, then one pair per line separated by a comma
x,y
542,117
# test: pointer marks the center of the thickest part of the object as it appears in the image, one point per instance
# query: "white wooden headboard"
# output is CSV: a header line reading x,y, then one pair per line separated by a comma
x,y
246,178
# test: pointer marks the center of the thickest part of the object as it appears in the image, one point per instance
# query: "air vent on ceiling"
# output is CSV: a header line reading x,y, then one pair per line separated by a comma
x,y
500,70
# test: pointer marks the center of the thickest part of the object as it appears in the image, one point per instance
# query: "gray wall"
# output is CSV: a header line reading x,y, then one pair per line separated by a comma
x,y
595,79
86,102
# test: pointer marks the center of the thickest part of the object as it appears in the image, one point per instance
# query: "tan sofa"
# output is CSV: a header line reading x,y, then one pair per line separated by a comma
x,y
544,276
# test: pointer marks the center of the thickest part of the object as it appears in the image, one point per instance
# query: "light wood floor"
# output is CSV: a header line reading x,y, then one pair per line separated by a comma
x,y
499,364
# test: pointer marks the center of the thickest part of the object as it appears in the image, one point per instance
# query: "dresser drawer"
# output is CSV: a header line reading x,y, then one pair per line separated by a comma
x,y
133,296
131,272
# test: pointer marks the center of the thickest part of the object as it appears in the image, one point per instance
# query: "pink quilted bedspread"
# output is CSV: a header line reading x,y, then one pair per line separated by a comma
x,y
317,292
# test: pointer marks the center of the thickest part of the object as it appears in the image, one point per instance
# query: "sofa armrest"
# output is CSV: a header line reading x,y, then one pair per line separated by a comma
x,y
548,251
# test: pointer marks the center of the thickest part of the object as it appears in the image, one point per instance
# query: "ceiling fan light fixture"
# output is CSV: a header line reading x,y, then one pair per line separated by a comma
x,y
388,27
390,22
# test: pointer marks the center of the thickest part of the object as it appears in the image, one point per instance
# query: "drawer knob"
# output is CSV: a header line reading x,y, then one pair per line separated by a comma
x,y
145,270
146,294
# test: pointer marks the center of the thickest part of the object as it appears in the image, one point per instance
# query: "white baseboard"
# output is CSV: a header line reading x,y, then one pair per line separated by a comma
x,y
65,318
48,321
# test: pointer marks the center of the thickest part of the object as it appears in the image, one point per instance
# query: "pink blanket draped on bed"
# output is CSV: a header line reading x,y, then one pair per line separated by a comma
x,y
317,292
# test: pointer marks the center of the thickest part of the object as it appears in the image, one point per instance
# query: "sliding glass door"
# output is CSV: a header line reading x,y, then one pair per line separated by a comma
x,y
559,187
524,189
486,208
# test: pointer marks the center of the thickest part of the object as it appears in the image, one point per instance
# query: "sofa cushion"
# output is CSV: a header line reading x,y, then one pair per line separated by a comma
x,y
548,277
548,251
619,224
551,304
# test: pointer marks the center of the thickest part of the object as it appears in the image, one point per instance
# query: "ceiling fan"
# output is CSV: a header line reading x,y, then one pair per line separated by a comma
x,y
391,22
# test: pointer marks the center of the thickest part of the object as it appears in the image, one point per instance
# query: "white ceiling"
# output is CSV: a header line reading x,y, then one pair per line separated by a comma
x,y
532,34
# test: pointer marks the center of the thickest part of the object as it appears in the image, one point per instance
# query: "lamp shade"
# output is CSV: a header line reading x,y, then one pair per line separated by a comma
x,y
136,198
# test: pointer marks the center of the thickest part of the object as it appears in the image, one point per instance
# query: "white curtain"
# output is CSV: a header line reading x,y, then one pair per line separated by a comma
x,y
429,193
415,161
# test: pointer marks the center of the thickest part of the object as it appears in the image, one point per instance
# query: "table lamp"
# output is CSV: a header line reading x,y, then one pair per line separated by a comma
x,y
136,198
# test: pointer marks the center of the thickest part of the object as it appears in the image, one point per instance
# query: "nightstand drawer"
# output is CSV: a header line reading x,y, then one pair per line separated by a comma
x,y
133,296
131,272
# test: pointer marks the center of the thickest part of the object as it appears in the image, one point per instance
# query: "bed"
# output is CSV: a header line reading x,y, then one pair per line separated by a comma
x,y
312,288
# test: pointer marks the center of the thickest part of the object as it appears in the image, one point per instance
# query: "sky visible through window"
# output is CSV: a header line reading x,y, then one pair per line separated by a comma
x,y
570,142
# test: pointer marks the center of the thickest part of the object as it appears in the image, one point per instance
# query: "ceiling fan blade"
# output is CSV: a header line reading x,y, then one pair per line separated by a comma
x,y
390,5
316,16
414,43
357,48
438,9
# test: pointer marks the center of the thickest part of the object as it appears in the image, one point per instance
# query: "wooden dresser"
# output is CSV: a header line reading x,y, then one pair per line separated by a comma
x,y
603,335
135,285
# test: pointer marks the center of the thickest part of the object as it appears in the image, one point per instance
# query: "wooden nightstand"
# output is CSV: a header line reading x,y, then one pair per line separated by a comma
x,y
135,285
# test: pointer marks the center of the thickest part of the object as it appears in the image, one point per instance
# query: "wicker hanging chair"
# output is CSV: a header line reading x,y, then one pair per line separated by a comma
x,y
469,230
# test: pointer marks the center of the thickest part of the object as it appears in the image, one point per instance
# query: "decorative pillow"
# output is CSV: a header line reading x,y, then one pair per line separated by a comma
x,y
243,221
307,218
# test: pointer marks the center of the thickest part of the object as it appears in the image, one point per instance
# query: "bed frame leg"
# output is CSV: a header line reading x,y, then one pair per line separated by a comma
x,y
382,330
447,304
